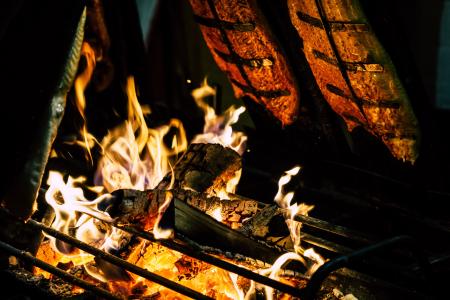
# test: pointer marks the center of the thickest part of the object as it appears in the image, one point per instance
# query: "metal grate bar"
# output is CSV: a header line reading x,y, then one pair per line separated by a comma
x,y
336,229
348,260
120,262
198,254
27,257
324,244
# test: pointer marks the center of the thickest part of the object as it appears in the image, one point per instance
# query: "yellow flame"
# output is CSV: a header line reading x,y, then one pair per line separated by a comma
x,y
217,129
159,232
68,201
284,200
239,293
134,157
315,258
80,85
276,267
217,214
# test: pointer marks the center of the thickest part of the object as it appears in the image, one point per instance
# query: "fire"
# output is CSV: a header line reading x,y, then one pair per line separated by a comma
x,y
158,232
68,201
217,214
313,260
284,201
217,129
135,156
80,85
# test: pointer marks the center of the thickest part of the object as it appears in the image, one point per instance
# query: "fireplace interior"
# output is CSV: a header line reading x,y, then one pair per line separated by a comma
x,y
229,149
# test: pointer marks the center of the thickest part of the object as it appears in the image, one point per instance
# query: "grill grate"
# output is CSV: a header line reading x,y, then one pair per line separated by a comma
x,y
309,292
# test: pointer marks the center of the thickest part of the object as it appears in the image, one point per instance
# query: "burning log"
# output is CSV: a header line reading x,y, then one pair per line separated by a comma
x,y
141,208
244,47
355,74
205,168
229,212
252,224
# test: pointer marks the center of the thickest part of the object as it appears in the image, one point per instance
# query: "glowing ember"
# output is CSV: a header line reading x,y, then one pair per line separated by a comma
x,y
217,214
136,157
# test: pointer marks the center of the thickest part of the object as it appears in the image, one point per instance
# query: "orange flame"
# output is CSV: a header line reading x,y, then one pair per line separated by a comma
x,y
136,156
80,85
133,156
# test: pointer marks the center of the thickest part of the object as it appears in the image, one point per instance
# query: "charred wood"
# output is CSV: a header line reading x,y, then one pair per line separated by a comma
x,y
204,168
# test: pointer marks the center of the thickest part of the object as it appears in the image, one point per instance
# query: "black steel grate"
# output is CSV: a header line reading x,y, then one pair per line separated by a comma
x,y
347,260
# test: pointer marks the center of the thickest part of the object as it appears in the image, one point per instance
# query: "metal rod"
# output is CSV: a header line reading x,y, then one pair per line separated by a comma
x,y
336,229
347,260
120,262
27,257
216,262
376,263
324,244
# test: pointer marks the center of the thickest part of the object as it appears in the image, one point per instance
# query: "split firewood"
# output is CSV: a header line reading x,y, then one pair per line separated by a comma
x,y
253,219
355,74
141,207
229,212
255,237
200,172
244,47
204,168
